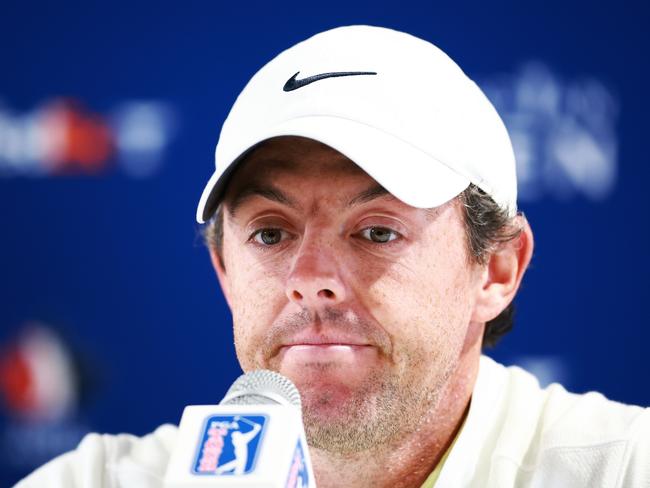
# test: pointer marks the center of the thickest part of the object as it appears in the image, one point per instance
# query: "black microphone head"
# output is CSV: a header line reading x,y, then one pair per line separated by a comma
x,y
262,387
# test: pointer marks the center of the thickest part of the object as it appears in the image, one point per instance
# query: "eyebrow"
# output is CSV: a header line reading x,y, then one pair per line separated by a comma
x,y
274,194
269,192
379,191
369,195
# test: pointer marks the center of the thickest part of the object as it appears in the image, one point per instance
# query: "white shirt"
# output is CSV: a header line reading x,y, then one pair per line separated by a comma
x,y
515,435
519,435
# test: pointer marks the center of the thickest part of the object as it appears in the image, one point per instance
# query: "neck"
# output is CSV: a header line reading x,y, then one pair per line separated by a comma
x,y
408,461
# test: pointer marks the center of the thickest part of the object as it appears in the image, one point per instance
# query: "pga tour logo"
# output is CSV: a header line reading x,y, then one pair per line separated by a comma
x,y
229,445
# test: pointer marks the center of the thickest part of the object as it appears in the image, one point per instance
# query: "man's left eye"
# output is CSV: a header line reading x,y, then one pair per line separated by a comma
x,y
269,237
379,235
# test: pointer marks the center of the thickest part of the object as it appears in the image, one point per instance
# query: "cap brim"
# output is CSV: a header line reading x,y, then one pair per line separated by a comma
x,y
413,176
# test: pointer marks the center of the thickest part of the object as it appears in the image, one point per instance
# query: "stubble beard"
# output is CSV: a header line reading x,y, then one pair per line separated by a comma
x,y
373,419
387,406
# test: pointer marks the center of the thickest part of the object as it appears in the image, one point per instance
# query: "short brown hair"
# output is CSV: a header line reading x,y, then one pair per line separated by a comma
x,y
486,225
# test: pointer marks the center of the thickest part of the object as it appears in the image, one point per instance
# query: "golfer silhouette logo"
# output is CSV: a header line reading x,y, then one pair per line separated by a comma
x,y
229,445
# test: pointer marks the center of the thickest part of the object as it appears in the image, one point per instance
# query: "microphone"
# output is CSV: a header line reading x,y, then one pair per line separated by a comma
x,y
254,438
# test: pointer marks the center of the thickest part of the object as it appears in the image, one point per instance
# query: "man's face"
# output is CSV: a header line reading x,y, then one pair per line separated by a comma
x,y
363,301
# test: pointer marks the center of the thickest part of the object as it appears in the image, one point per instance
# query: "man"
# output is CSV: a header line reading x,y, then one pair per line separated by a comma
x,y
363,228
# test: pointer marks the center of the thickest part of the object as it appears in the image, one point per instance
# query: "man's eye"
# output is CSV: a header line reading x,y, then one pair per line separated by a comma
x,y
269,237
379,235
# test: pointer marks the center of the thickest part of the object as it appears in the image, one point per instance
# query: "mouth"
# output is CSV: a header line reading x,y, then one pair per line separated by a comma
x,y
333,337
326,339
314,348
321,348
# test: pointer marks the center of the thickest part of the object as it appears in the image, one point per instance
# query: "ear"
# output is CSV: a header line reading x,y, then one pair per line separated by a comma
x,y
502,276
221,274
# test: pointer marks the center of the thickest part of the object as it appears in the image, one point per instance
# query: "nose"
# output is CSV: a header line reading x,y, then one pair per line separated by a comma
x,y
315,281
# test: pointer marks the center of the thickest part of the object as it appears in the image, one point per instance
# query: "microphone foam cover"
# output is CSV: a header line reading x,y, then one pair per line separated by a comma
x,y
262,387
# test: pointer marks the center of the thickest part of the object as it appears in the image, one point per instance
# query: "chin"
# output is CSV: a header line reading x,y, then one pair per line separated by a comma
x,y
344,422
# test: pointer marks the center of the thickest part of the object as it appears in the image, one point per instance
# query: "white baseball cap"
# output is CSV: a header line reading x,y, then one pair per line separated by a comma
x,y
396,105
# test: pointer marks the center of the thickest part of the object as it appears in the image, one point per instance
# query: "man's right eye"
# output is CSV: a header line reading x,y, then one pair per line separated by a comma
x,y
269,237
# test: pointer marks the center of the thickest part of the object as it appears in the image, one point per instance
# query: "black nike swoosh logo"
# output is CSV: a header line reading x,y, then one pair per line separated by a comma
x,y
293,84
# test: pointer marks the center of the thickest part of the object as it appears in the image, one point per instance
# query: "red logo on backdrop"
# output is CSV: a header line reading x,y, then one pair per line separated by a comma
x,y
15,378
63,137
82,141
38,380
40,390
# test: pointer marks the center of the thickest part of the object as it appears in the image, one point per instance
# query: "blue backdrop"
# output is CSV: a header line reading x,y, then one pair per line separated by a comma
x,y
99,245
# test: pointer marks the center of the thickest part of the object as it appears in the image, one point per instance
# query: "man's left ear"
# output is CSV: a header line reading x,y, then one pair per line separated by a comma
x,y
503,273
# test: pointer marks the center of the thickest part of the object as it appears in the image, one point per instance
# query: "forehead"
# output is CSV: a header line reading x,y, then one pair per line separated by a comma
x,y
288,161
289,155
